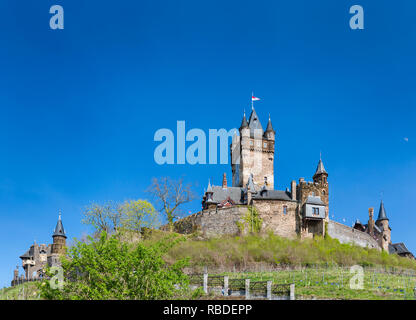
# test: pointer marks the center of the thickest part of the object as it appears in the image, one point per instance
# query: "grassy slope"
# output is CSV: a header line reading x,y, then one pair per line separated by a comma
x,y
26,291
323,265
231,252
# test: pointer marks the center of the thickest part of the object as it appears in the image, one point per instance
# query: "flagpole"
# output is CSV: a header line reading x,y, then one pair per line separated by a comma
x,y
252,95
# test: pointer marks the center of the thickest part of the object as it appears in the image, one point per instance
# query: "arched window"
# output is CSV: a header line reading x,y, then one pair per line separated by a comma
x,y
323,192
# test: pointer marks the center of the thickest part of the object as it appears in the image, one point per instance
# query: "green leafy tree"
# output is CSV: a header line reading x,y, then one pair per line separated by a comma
x,y
110,269
112,217
138,214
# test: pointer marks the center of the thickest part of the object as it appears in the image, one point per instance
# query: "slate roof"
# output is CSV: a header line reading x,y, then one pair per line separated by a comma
x,y
269,126
273,195
244,123
315,200
59,229
25,255
220,194
254,123
398,248
382,212
320,168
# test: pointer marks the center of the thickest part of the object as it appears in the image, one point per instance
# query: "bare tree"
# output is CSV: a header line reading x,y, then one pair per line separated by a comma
x,y
169,195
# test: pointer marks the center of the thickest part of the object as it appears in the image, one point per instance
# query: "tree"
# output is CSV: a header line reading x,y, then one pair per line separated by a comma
x,y
103,217
108,268
138,214
112,216
170,195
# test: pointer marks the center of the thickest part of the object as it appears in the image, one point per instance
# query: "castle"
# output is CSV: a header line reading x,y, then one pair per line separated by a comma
x,y
302,211
38,256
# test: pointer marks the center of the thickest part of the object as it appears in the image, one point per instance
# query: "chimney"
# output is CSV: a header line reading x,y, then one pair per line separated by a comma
x,y
293,189
371,221
224,181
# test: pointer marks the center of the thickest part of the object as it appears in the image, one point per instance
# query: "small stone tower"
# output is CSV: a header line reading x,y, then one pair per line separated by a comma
x,y
320,178
383,223
371,221
59,243
254,149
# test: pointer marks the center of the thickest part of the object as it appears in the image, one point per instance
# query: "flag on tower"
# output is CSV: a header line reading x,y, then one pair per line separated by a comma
x,y
253,98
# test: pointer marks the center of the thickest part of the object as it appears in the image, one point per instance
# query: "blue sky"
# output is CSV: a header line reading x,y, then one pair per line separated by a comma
x,y
79,106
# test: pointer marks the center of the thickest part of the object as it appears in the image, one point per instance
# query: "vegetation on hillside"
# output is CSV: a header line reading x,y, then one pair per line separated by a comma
x,y
108,268
239,252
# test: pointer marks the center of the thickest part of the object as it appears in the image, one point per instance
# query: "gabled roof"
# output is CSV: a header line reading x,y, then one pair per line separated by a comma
x,y
382,212
59,229
254,124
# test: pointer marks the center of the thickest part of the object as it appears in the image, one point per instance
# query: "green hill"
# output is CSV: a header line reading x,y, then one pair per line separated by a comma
x,y
26,291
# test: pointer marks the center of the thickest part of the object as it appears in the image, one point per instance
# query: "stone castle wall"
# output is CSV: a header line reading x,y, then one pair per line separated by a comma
x,y
347,234
225,221
274,218
212,222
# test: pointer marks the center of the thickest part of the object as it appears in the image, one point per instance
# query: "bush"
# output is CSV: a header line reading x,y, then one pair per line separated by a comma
x,y
110,269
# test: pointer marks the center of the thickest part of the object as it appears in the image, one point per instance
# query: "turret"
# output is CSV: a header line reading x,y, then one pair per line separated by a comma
x,y
320,175
59,237
383,223
269,134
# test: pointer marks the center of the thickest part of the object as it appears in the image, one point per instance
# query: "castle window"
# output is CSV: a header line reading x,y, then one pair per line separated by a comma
x,y
284,210
251,142
265,144
315,211
323,192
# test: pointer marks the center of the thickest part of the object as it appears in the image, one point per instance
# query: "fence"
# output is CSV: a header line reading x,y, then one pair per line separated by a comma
x,y
243,287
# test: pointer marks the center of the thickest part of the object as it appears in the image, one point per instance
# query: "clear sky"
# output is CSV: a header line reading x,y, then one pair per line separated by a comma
x,y
80,106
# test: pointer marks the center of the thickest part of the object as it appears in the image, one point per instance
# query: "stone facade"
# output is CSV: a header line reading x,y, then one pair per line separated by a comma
x,y
280,217
39,256
351,235
302,211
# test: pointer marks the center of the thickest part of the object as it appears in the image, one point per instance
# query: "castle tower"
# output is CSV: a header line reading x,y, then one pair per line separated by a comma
x,y
59,243
255,150
383,223
320,178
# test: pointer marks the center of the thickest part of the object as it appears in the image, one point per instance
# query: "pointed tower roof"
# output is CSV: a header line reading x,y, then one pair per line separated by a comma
x,y
320,168
254,123
209,189
382,212
59,229
269,125
244,123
